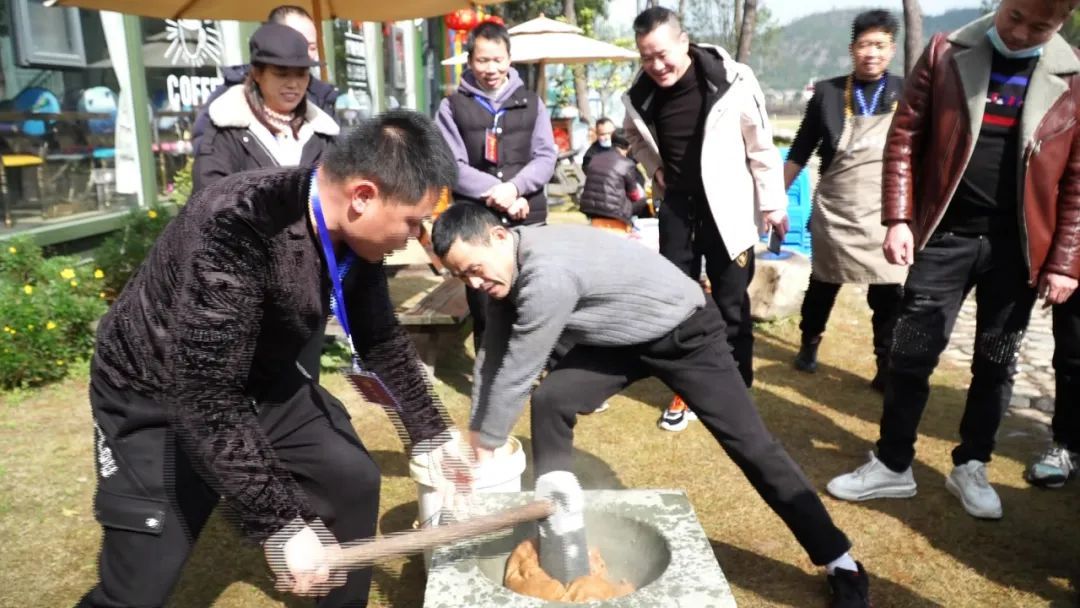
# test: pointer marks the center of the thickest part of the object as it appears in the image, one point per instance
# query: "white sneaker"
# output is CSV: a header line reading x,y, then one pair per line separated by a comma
x,y
873,480
1053,468
968,483
677,416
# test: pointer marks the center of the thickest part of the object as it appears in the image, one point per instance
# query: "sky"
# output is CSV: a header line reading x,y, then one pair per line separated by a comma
x,y
622,11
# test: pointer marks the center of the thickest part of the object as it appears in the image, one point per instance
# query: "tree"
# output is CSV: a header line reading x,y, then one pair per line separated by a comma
x,y
581,87
611,78
913,22
585,11
746,30
719,21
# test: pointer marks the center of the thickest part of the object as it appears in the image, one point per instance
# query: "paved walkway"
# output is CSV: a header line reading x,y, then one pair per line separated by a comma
x,y
1035,375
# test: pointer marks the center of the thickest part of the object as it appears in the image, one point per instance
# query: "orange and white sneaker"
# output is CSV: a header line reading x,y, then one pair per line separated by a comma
x,y
676,416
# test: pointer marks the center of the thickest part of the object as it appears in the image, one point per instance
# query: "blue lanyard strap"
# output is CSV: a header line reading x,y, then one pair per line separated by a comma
x,y
337,272
490,108
861,99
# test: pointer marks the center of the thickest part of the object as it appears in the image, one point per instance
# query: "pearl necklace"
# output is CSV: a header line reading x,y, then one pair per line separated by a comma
x,y
284,121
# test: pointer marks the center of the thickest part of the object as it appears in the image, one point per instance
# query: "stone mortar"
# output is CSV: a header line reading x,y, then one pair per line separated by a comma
x,y
650,537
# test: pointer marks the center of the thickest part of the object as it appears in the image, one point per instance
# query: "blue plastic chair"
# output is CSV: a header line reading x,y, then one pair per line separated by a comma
x,y
36,100
800,203
99,100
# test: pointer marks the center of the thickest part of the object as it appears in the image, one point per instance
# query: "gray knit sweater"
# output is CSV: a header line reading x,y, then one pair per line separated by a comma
x,y
598,288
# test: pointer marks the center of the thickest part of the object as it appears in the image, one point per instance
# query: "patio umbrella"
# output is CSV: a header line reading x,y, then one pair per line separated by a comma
x,y
544,40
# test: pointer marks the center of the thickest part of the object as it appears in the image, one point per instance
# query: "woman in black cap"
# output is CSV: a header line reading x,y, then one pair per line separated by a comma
x,y
267,120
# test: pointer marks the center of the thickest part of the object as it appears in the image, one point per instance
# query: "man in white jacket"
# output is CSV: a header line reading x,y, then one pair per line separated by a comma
x,y
696,120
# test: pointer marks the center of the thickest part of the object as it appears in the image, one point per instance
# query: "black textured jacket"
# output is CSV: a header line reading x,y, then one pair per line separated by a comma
x,y
608,183
211,324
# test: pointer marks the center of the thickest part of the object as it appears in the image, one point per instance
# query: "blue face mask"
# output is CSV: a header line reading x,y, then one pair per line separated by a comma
x,y
605,142
1005,51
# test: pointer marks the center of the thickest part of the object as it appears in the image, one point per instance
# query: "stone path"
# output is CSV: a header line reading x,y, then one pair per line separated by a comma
x,y
1035,375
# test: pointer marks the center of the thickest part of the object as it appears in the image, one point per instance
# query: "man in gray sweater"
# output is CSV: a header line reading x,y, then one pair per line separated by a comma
x,y
630,314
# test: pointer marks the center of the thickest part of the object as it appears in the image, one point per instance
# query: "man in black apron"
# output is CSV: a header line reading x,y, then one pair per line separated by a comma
x,y
846,122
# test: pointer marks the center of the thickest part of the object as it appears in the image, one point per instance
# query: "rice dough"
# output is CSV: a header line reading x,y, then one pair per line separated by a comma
x,y
525,576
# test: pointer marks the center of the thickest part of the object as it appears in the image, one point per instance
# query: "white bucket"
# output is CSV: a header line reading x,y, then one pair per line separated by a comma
x,y
500,474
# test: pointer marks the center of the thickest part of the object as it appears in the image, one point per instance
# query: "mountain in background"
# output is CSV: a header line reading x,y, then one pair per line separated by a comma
x,y
816,46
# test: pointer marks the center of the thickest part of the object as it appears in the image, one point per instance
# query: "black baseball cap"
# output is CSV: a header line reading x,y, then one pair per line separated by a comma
x,y
277,44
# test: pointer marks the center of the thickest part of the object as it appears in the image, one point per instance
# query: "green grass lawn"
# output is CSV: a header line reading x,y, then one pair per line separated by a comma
x,y
920,552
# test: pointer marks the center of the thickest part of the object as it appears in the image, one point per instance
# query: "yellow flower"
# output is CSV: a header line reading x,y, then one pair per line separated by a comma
x,y
12,250
151,214
28,289
99,274
101,295
50,325
74,283
67,273
59,361
30,327
7,329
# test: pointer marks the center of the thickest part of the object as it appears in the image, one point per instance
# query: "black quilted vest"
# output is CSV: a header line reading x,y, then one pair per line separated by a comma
x,y
515,141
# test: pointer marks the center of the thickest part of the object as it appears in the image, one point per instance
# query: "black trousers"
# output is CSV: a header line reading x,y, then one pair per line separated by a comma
x,y
884,300
694,360
152,504
1066,424
943,273
688,232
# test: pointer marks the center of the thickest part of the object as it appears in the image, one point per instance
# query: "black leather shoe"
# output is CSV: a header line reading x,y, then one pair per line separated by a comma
x,y
806,360
850,589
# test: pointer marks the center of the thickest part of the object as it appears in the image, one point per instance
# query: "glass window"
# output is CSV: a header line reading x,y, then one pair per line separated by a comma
x,y
47,36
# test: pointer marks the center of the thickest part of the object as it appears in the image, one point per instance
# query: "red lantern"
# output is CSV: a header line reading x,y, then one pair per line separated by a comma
x,y
462,20
494,19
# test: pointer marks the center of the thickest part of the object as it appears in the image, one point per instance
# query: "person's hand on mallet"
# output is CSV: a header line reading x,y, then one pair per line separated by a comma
x,y
450,464
301,559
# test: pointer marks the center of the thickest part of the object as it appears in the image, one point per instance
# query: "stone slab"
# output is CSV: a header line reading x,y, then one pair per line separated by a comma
x,y
640,533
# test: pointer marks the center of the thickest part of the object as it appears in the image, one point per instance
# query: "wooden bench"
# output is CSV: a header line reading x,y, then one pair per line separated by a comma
x,y
434,322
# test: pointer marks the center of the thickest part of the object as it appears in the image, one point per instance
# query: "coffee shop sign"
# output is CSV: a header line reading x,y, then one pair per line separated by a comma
x,y
196,43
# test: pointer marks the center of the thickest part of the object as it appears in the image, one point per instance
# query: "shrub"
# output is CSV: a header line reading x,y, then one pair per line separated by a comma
x,y
47,308
122,253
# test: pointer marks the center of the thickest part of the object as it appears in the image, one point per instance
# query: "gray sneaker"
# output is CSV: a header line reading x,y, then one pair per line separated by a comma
x,y
968,482
1053,468
873,480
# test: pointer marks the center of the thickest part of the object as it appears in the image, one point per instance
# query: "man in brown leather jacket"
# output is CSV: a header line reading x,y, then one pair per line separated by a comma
x,y
981,188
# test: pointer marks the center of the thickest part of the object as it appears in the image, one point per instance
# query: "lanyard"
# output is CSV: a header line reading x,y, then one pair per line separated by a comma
x,y
861,99
337,272
490,108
